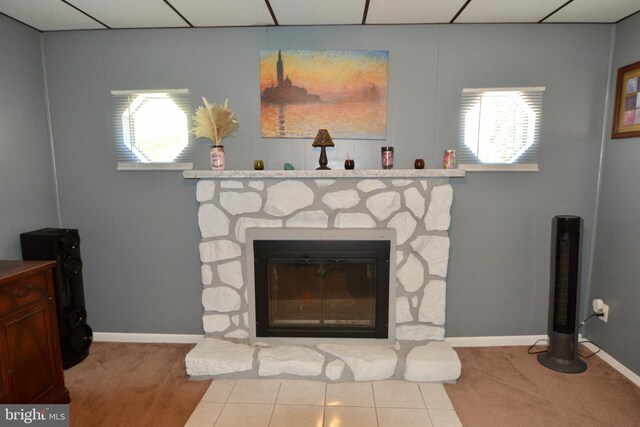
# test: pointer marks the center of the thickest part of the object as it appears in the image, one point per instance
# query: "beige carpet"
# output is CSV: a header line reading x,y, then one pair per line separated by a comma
x,y
505,386
124,384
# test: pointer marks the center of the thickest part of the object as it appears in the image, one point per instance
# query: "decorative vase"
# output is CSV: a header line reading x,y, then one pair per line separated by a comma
x,y
387,157
217,157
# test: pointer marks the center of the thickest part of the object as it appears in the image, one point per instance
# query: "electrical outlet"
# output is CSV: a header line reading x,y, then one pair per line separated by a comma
x,y
598,306
605,313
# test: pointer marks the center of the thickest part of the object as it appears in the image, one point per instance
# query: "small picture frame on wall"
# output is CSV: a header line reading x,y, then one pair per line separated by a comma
x,y
626,112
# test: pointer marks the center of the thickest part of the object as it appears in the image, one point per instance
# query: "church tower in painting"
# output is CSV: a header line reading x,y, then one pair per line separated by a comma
x,y
285,92
280,69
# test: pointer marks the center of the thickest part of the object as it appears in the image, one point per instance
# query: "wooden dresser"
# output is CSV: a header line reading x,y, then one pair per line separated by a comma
x,y
29,346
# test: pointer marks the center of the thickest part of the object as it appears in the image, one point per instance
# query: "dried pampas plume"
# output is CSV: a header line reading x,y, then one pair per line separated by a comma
x,y
214,121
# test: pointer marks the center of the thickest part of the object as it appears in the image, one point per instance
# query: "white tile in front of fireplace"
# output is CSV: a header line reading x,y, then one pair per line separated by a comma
x,y
300,403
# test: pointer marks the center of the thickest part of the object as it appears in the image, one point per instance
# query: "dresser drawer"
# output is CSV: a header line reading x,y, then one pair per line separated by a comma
x,y
23,291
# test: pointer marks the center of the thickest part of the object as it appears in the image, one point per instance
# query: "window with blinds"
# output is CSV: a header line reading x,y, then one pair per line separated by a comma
x,y
500,129
152,129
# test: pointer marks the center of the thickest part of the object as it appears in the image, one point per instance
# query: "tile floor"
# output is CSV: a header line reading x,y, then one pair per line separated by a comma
x,y
302,403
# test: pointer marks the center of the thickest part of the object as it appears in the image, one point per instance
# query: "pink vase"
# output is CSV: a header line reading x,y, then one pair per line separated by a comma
x,y
217,157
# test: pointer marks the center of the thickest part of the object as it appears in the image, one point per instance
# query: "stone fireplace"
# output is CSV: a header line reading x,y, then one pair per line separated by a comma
x,y
239,207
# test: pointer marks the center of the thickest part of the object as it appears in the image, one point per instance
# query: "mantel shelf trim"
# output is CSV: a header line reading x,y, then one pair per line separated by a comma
x,y
326,174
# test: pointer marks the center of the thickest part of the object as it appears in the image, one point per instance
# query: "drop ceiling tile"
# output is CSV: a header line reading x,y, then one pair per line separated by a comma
x,y
47,15
224,13
131,13
486,11
318,12
595,11
412,11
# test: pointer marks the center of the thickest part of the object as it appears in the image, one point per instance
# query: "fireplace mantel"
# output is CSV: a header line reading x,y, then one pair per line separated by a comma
x,y
328,174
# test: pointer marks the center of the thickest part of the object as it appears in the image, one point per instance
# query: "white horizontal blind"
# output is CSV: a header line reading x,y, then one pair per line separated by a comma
x,y
130,155
500,128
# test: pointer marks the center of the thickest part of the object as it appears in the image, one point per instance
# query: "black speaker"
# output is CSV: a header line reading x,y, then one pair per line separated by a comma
x,y
564,296
63,246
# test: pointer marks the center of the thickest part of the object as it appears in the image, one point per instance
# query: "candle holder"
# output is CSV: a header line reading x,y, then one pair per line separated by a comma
x,y
349,163
387,157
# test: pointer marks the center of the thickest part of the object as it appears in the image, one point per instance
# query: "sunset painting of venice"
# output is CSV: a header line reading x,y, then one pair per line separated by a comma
x,y
342,91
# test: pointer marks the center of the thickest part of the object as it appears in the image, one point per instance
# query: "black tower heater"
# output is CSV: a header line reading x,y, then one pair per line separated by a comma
x,y
63,246
564,294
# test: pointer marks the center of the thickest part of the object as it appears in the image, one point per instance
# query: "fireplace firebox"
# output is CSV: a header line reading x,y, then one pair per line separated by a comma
x,y
322,288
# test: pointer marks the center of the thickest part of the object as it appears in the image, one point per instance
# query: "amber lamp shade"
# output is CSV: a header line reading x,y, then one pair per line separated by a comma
x,y
323,139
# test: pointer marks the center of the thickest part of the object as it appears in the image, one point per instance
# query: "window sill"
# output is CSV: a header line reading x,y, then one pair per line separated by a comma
x,y
514,167
125,166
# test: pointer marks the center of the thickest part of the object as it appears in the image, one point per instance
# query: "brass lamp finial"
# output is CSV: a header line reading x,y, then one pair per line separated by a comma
x,y
323,139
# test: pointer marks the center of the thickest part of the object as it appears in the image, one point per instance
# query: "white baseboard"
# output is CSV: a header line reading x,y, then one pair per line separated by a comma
x,y
192,339
530,339
494,341
146,338
628,373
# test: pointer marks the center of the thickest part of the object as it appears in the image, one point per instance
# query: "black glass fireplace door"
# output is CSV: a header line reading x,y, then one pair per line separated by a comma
x,y
321,292
321,288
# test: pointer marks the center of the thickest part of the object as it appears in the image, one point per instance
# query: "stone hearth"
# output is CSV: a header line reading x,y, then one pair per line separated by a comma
x,y
434,361
415,204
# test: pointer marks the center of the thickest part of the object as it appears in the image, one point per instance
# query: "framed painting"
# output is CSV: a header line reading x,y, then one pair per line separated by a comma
x,y
343,91
626,113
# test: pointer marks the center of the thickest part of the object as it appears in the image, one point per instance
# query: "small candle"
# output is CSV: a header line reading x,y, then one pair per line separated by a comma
x,y
349,163
387,157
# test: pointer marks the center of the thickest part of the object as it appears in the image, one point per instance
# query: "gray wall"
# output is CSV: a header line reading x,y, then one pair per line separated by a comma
x,y
616,268
139,229
501,225
27,199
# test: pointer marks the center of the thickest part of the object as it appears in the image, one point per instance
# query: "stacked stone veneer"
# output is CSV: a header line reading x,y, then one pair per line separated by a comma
x,y
418,209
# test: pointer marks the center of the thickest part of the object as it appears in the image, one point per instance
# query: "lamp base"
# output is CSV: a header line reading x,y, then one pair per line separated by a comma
x,y
323,160
323,168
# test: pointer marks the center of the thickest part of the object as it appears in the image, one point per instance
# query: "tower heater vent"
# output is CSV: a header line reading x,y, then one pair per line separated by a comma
x,y
564,296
